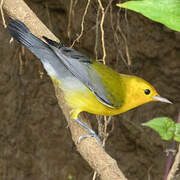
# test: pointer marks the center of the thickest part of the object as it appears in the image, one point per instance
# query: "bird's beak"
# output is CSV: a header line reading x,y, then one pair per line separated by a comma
x,y
162,99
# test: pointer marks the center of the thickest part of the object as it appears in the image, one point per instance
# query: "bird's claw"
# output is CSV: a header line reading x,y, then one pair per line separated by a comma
x,y
91,132
89,135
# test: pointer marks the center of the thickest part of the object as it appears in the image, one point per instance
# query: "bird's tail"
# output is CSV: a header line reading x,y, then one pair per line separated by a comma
x,y
40,49
22,34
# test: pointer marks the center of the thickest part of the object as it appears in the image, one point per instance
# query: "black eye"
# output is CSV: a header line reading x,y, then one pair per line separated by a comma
x,y
147,91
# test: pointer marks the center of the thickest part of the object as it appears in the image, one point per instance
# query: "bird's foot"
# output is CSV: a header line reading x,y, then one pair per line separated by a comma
x,y
92,133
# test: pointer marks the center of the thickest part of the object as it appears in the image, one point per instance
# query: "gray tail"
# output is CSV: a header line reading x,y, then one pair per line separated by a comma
x,y
22,34
40,49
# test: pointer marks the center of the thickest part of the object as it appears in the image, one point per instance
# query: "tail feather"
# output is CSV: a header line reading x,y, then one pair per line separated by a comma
x,y
40,49
22,34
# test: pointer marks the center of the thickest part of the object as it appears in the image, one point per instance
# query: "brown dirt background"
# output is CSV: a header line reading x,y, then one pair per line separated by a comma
x,y
35,143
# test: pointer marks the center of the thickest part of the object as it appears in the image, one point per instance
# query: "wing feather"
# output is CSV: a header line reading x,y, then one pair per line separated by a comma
x,y
80,66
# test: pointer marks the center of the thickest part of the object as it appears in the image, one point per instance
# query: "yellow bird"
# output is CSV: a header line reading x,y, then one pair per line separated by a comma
x,y
88,85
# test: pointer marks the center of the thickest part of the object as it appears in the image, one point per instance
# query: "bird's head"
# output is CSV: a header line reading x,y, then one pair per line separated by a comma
x,y
141,92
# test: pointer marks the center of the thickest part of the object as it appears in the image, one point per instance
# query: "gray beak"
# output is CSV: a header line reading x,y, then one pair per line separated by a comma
x,y
162,99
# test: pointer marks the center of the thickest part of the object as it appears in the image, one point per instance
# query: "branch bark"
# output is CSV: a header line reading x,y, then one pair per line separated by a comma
x,y
89,148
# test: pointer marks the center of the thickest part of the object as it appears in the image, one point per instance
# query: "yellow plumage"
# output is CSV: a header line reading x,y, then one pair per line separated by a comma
x,y
127,91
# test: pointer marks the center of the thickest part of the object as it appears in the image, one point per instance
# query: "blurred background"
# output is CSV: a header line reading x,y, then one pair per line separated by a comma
x,y
35,143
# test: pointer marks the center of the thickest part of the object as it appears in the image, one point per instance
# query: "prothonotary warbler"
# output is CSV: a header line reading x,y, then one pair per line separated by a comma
x,y
87,85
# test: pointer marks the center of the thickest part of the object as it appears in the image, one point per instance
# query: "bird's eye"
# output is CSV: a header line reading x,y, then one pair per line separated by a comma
x,y
147,91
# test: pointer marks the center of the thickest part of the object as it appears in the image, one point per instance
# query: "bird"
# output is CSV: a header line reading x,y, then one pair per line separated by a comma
x,y
87,85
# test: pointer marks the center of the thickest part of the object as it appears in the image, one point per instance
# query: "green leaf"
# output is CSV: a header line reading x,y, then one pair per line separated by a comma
x,y
164,126
166,12
177,132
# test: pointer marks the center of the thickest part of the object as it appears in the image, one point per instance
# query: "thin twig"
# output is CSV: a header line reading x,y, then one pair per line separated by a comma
x,y
149,176
102,31
105,131
94,175
97,27
82,24
100,121
105,13
126,45
97,33
21,53
116,39
48,16
2,14
69,19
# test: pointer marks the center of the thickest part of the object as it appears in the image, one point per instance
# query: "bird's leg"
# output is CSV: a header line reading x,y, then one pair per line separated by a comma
x,y
92,133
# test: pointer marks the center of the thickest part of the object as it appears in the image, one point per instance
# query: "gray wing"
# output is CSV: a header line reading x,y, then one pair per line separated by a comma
x,y
80,66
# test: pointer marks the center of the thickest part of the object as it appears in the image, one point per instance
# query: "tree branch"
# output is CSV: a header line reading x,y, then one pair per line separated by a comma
x,y
89,148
